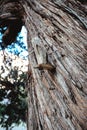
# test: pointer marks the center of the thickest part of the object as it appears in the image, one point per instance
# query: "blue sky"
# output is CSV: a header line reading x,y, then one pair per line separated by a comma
x,y
20,47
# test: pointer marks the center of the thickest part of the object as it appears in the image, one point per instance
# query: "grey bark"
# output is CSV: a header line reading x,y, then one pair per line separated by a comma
x,y
57,37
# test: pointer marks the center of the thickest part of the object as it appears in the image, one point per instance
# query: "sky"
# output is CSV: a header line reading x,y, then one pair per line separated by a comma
x,y
24,34
20,47
24,53
21,127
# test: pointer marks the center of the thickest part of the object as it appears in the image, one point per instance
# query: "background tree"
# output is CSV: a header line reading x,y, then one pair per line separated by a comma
x,y
13,67
13,104
57,46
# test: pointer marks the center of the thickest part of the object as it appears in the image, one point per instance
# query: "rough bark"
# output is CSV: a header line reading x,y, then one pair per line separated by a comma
x,y
57,37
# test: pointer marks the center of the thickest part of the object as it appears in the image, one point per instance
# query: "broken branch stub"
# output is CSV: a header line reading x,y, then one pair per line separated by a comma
x,y
12,18
41,56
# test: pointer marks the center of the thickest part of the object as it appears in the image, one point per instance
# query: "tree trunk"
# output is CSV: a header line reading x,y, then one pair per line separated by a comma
x,y
57,76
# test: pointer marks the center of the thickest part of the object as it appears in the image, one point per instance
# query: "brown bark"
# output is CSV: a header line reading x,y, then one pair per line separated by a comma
x,y
57,35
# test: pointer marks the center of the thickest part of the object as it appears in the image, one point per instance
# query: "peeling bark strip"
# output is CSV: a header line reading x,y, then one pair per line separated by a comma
x,y
45,66
57,33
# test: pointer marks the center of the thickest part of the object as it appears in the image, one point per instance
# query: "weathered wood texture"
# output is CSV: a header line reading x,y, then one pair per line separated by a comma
x,y
57,35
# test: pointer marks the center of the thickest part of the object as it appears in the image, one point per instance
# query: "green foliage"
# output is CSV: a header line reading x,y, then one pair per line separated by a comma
x,y
13,104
